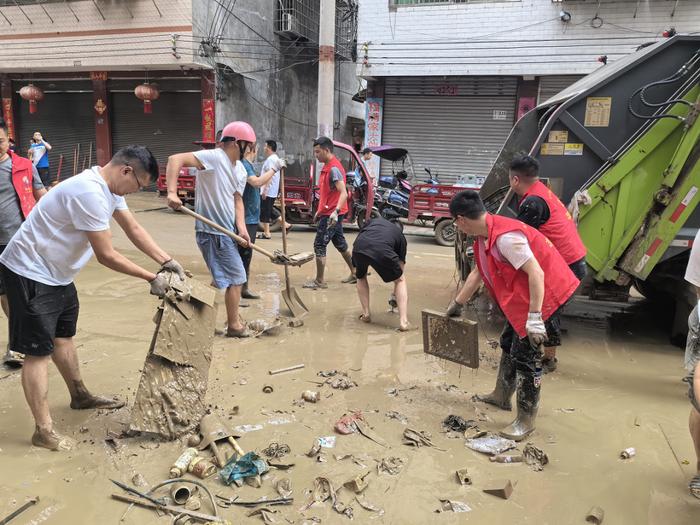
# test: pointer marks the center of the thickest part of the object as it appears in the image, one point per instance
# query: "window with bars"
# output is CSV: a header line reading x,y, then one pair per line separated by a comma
x,y
446,2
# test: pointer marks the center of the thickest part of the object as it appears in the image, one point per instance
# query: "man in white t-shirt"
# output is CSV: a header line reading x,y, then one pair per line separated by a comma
x,y
269,192
41,261
692,360
219,197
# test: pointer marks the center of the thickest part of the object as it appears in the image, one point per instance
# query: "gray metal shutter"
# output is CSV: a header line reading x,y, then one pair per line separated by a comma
x,y
459,134
64,120
551,85
172,127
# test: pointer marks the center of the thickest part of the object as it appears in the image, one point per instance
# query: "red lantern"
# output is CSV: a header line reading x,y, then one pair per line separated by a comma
x,y
33,94
148,93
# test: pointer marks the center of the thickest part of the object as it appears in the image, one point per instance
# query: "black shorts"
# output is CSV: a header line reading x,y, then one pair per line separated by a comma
x,y
45,176
266,205
39,313
388,268
2,282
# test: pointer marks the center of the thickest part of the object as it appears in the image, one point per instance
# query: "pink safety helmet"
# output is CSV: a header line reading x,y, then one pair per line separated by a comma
x,y
239,130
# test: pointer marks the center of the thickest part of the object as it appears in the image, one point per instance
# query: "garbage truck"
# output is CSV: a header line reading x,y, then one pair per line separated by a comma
x,y
621,147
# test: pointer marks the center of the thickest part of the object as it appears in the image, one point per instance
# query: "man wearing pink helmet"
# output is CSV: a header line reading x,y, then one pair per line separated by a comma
x,y
219,197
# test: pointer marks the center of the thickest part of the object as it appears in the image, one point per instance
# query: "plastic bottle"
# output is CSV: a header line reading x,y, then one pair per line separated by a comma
x,y
181,464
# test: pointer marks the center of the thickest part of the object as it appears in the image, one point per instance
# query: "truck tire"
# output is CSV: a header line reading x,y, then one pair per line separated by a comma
x,y
445,232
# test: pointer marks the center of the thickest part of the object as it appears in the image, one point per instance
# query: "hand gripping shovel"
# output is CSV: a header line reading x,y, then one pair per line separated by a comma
x,y
277,257
291,297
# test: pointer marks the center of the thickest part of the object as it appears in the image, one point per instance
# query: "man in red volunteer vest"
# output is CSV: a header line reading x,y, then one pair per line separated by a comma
x,y
332,207
20,188
540,208
529,280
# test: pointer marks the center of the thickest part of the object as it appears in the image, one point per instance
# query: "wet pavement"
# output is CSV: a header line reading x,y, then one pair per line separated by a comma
x,y
612,391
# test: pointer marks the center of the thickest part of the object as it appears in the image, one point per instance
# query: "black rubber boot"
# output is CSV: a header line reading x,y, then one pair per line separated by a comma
x,y
528,402
247,294
505,385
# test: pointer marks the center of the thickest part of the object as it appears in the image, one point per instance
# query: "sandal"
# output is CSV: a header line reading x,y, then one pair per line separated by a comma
x,y
244,332
263,236
313,284
694,486
365,318
406,328
351,279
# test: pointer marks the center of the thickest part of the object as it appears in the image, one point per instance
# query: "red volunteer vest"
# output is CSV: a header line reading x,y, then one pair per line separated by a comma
x,y
560,228
22,180
509,287
328,199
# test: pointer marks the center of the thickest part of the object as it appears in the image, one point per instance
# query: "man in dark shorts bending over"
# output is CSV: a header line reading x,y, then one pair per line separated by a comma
x,y
381,245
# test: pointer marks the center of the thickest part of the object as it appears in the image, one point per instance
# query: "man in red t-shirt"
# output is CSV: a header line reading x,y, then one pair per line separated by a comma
x,y
332,207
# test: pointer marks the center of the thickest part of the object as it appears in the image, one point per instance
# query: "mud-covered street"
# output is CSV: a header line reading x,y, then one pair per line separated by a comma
x,y
613,390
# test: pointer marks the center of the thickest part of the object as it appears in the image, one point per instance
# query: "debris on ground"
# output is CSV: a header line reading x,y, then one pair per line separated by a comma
x,y
463,477
418,438
457,423
362,501
182,463
284,487
342,383
320,443
263,327
355,460
311,396
391,465
249,465
501,489
267,389
367,431
628,453
491,444
535,457
276,450
595,515
266,515
286,369
347,424
327,373
358,483
504,458
397,416
324,490
447,505
244,429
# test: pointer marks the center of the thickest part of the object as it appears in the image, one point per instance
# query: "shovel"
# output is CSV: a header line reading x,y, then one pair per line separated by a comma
x,y
277,257
213,430
291,297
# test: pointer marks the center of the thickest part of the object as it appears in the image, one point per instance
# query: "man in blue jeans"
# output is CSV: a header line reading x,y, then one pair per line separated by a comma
x,y
332,208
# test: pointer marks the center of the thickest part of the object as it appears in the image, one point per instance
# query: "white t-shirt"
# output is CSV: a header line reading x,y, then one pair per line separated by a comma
x,y
52,245
692,272
215,187
512,247
273,187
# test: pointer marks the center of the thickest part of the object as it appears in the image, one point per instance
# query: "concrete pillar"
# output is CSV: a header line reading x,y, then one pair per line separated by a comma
x,y
326,68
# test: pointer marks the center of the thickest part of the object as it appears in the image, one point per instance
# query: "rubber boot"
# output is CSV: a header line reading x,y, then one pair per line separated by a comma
x,y
528,402
505,385
247,294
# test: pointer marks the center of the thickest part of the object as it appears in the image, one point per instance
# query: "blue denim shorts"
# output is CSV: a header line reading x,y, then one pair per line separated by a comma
x,y
222,258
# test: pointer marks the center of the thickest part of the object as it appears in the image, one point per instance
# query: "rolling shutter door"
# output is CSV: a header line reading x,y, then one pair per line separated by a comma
x,y
459,134
551,85
172,127
64,120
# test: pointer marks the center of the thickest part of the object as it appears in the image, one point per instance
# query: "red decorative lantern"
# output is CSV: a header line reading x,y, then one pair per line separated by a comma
x,y
148,93
33,94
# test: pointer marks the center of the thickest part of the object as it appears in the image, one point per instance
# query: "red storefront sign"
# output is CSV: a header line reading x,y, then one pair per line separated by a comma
x,y
8,117
208,120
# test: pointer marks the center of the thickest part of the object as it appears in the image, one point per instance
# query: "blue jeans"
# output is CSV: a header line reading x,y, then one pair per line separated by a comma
x,y
223,260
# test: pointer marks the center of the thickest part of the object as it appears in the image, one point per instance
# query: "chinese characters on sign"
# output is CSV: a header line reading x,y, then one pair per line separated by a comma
x,y
7,115
374,109
208,120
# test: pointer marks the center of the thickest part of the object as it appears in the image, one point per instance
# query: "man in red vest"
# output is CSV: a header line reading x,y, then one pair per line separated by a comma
x,y
332,207
529,280
20,188
540,208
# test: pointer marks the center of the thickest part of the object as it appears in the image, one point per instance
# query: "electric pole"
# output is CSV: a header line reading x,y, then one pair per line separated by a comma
x,y
326,68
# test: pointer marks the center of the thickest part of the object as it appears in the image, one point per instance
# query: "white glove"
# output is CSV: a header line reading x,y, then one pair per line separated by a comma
x,y
536,331
279,164
159,286
333,218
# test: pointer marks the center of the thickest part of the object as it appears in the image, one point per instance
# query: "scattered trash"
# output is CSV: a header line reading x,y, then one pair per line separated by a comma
x,y
595,515
474,432
503,458
139,480
367,431
324,490
181,463
276,450
311,396
12,515
280,466
243,429
284,487
327,442
267,389
327,373
180,493
342,383
566,410
357,484
463,477
227,502
193,503
295,322
319,443
243,382
491,444
391,465
536,458
262,327
457,423
637,421
194,440
347,424
447,505
247,466
267,515
362,501
418,438
287,369
281,420
355,460
628,453
202,468
502,489
214,430
398,417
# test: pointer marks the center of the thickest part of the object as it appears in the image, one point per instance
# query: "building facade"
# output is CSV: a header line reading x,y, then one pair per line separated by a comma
x,y
448,79
210,61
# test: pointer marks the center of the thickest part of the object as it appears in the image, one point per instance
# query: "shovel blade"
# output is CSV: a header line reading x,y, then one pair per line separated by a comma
x,y
294,302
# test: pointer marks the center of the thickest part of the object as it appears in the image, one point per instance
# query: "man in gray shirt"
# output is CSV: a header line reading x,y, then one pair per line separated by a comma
x,y
11,213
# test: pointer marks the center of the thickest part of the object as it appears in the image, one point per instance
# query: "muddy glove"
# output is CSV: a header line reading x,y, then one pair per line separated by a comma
x,y
279,164
536,331
454,309
173,266
333,218
159,286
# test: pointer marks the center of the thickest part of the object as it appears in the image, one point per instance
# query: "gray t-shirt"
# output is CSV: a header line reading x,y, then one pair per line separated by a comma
x,y
10,212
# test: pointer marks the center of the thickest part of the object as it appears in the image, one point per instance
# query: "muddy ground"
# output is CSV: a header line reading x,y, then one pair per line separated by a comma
x,y
612,391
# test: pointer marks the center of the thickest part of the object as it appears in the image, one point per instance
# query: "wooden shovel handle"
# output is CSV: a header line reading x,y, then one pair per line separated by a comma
x,y
223,230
